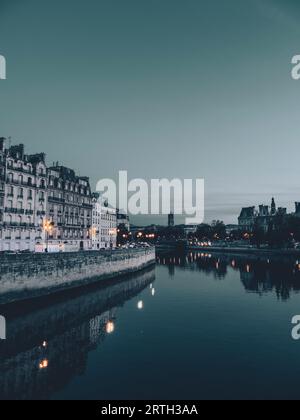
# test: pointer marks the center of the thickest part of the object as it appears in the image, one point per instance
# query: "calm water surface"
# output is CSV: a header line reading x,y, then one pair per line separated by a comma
x,y
195,327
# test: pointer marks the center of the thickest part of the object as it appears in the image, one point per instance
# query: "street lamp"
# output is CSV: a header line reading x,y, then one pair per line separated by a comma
x,y
47,226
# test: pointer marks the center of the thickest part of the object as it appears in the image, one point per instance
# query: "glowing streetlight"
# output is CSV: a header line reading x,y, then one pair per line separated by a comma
x,y
110,327
44,364
47,227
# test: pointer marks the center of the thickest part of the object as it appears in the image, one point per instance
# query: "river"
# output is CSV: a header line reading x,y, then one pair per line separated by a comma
x,y
197,326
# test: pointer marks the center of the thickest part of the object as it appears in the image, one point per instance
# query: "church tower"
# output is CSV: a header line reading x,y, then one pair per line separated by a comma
x,y
273,207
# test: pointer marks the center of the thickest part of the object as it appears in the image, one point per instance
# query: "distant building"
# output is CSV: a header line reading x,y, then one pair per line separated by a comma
x,y
250,218
231,228
273,207
171,220
188,229
297,209
123,219
104,224
247,219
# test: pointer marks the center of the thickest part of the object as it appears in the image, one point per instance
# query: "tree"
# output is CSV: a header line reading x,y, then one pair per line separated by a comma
x,y
218,229
204,232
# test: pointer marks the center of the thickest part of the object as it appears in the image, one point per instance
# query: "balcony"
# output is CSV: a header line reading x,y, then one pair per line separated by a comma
x,y
14,168
18,182
55,199
14,210
16,224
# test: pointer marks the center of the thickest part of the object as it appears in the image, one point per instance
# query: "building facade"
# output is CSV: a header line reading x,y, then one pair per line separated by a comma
x,y
24,198
104,224
263,218
2,180
69,211
42,209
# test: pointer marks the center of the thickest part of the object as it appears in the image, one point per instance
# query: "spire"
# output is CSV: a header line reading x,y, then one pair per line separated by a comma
x,y
273,207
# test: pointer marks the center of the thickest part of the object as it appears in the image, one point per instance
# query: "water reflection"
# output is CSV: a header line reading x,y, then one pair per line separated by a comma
x,y
34,366
258,275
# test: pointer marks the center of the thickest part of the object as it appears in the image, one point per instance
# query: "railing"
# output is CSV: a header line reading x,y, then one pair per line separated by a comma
x,y
18,211
18,182
16,224
14,210
14,168
56,199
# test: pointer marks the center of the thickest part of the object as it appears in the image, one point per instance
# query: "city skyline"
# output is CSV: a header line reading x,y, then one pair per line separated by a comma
x,y
127,85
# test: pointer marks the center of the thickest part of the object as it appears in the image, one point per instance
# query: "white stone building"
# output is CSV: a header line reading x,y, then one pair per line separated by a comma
x,y
42,209
104,225
69,211
24,199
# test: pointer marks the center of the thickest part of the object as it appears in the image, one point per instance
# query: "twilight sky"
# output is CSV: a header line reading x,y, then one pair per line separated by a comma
x,y
161,88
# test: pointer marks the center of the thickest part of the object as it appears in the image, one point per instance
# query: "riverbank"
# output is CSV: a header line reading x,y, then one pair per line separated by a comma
x,y
247,251
232,250
28,276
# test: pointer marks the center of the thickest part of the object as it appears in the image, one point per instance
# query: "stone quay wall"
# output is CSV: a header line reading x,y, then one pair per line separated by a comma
x,y
26,276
